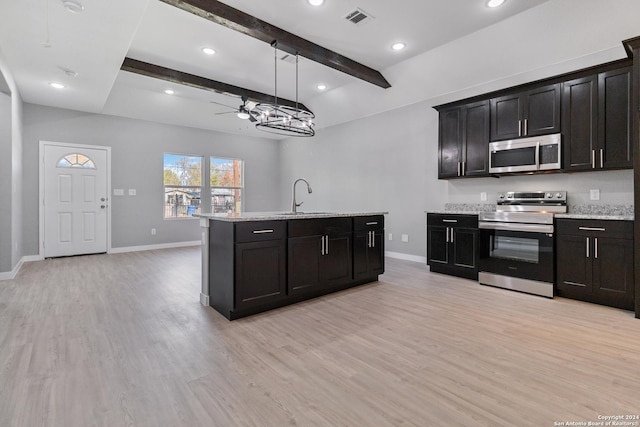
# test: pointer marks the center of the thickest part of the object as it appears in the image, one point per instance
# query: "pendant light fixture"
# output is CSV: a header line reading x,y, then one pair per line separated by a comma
x,y
284,119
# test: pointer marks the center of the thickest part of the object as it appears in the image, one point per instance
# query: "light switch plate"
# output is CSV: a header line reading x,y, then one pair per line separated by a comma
x,y
483,196
132,191
118,192
594,194
405,238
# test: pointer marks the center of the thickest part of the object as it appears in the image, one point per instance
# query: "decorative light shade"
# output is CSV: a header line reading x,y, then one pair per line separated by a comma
x,y
284,119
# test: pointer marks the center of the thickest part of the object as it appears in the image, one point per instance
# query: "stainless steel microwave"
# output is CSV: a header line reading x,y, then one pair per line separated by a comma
x,y
526,154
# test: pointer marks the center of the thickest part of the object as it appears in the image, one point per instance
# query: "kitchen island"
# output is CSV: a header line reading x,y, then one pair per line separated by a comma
x,y
256,261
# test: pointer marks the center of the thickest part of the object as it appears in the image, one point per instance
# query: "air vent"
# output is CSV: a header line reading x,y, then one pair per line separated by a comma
x,y
358,16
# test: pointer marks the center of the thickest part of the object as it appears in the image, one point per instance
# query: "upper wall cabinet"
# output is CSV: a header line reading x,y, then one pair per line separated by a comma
x,y
464,141
596,121
530,113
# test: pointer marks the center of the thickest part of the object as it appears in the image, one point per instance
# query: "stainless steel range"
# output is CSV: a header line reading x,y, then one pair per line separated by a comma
x,y
516,241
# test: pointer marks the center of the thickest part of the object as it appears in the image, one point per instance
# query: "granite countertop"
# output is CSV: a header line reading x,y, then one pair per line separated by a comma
x,y
595,216
464,208
281,216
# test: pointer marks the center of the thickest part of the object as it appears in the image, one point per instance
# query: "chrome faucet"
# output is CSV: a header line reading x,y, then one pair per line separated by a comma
x,y
294,205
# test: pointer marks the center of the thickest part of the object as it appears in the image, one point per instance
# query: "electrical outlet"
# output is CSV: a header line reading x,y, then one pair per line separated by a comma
x,y
594,194
132,192
390,236
153,231
118,191
483,196
405,238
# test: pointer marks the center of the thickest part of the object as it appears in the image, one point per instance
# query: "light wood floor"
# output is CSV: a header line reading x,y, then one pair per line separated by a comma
x,y
121,340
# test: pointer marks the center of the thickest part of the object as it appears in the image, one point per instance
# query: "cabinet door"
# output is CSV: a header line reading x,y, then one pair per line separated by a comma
x,y
464,244
573,260
336,262
614,131
304,264
360,255
375,255
260,272
541,111
579,122
613,272
437,245
505,117
476,139
449,142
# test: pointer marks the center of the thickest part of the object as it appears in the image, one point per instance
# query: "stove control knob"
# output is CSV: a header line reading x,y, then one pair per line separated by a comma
x,y
549,196
559,195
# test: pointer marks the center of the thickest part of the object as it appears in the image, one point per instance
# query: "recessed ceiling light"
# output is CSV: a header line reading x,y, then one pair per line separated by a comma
x,y
494,3
208,51
169,92
315,2
398,46
72,6
321,87
56,85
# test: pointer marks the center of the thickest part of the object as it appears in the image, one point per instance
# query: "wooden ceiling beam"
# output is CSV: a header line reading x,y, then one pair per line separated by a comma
x,y
179,77
244,23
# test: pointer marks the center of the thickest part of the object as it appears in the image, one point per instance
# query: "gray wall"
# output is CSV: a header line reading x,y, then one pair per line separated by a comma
x,y
5,183
137,148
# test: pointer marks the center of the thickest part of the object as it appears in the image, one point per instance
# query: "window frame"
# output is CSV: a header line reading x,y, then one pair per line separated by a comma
x,y
200,188
232,188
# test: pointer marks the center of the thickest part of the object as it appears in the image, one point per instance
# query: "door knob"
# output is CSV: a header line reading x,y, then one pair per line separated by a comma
x,y
102,199
102,206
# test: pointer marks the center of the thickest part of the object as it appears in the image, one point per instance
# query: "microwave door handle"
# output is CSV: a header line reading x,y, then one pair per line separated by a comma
x,y
538,156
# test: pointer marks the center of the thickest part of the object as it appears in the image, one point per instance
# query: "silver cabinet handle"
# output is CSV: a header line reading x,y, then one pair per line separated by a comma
x,y
326,245
592,228
463,167
451,234
372,223
447,235
368,239
587,247
322,245
526,126
601,158
519,127
458,168
373,239
262,231
537,155
450,220
595,250
593,159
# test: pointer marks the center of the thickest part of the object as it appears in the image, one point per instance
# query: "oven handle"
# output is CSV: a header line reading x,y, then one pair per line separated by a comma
x,y
507,226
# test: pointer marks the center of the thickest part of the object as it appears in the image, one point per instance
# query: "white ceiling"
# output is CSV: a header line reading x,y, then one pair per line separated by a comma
x,y
95,42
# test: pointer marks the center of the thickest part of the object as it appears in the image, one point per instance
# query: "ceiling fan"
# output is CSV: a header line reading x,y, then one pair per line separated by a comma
x,y
244,111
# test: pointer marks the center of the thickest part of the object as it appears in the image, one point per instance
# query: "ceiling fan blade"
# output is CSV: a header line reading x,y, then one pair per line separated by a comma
x,y
226,112
252,118
224,105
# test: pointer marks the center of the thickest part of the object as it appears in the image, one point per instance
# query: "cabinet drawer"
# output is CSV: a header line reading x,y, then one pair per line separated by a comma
x,y
258,231
453,220
594,227
366,223
319,226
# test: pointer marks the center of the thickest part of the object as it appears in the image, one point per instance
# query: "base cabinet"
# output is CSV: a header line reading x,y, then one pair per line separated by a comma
x,y
368,247
452,244
595,261
255,266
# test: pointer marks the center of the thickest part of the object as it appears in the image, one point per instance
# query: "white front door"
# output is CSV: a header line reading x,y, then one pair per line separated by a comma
x,y
75,200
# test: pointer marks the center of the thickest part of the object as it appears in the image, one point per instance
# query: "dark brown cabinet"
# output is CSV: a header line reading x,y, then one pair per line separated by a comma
x,y
319,254
464,141
530,113
595,261
452,244
248,262
596,121
368,247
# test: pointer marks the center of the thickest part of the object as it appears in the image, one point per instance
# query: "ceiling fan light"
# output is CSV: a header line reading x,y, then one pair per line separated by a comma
x,y
315,2
243,115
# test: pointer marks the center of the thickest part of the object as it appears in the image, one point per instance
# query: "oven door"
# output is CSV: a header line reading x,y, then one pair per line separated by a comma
x,y
517,250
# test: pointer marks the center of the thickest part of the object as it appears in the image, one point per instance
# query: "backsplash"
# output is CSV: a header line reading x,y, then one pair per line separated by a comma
x,y
590,209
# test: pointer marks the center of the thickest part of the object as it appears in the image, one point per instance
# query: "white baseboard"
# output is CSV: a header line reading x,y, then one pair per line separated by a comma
x,y
154,247
8,275
406,257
